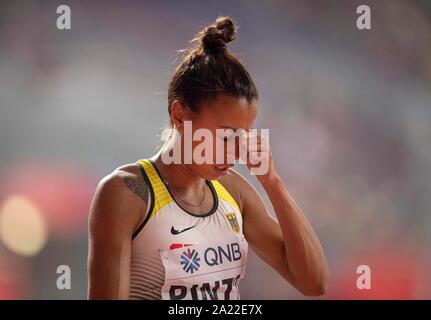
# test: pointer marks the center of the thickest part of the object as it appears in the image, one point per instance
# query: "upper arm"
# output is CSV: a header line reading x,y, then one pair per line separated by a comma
x,y
261,230
114,215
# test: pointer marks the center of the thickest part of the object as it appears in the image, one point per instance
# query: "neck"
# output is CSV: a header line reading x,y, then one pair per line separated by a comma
x,y
180,176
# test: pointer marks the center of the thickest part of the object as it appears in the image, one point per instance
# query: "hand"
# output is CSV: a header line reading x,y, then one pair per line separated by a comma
x,y
255,151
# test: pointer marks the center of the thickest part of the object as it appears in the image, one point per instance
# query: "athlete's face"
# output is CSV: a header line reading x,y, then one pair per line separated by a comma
x,y
225,112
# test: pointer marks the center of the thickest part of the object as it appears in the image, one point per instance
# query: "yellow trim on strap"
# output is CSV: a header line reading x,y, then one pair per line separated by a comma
x,y
224,194
161,194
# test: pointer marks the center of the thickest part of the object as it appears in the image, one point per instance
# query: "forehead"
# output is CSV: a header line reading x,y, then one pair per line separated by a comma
x,y
231,112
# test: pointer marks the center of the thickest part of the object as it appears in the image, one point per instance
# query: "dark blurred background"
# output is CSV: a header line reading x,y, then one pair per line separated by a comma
x,y
348,110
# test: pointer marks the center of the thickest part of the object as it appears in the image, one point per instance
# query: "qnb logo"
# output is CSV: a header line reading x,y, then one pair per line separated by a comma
x,y
190,260
215,256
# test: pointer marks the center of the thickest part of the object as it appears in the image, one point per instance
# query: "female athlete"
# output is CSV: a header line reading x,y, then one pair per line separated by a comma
x,y
160,230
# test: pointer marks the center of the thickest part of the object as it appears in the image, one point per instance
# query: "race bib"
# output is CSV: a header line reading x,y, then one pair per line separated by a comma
x,y
204,272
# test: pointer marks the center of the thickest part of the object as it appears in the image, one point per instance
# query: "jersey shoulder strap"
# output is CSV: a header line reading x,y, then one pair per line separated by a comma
x,y
159,196
223,194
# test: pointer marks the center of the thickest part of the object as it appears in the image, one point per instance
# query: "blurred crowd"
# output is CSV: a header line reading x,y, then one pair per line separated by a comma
x,y
348,111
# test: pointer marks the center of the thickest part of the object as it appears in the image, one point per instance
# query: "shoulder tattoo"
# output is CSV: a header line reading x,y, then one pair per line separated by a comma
x,y
138,187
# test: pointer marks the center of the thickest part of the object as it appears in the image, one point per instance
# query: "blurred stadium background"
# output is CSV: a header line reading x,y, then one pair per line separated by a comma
x,y
349,113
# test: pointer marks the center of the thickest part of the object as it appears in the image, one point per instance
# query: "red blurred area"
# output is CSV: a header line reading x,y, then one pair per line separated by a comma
x,y
62,193
15,279
396,273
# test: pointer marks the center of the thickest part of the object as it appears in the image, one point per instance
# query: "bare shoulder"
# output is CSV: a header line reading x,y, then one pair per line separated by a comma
x,y
237,185
126,181
132,180
121,195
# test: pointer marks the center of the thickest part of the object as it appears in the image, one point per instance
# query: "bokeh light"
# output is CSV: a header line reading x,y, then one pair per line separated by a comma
x,y
61,192
22,228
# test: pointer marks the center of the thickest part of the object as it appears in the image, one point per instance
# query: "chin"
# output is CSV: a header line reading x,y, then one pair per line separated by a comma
x,y
213,172
213,175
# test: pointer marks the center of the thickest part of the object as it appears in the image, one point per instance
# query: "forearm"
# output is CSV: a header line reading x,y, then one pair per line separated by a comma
x,y
304,255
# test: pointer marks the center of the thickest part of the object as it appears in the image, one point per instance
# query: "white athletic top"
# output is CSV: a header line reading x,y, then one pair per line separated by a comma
x,y
180,255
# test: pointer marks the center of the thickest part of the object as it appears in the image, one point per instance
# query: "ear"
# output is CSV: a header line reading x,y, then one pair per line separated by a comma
x,y
179,113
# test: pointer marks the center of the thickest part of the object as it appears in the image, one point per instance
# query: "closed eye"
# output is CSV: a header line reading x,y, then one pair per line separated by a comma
x,y
227,138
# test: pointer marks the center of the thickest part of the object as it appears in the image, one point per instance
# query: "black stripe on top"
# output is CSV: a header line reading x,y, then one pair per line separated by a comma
x,y
152,200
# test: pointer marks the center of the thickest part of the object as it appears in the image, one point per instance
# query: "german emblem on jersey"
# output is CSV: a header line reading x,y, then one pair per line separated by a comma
x,y
190,260
233,222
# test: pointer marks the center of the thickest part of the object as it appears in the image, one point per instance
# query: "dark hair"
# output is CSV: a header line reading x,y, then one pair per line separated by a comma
x,y
208,69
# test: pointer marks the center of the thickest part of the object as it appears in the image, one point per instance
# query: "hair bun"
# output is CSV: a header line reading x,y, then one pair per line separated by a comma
x,y
214,37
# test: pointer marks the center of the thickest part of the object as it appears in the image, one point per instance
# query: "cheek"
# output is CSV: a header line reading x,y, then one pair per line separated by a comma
x,y
210,142
227,151
219,152
205,146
